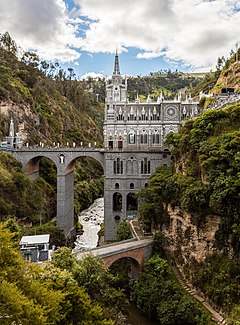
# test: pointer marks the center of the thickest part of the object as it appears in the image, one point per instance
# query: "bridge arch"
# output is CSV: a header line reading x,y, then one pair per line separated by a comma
x,y
71,161
30,164
64,159
135,256
130,263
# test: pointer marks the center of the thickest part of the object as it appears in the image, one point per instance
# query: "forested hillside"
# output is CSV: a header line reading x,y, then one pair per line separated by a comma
x,y
64,291
169,83
227,74
204,184
48,105
51,104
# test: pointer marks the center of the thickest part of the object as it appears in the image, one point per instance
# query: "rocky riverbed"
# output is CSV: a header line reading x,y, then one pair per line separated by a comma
x,y
91,220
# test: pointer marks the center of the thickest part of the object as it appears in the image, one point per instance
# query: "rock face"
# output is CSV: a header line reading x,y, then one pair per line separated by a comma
x,y
187,242
229,77
20,113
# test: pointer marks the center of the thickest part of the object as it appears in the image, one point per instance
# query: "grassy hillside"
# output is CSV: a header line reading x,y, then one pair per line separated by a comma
x,y
227,74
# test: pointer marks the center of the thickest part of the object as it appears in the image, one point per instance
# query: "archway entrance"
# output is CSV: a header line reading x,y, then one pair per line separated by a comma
x,y
117,201
132,206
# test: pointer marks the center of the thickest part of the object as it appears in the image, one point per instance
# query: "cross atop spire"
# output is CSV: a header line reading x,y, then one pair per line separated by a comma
x,y
116,65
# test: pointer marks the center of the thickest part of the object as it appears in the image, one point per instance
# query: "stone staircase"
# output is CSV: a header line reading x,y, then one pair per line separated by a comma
x,y
216,316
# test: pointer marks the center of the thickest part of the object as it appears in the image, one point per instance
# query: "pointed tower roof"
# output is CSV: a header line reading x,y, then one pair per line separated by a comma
x,y
116,65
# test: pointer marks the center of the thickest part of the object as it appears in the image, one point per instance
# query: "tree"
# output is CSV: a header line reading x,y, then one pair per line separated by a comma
x,y
160,297
124,231
8,43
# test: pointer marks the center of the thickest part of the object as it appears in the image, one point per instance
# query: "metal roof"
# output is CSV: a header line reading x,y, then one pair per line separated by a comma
x,y
36,239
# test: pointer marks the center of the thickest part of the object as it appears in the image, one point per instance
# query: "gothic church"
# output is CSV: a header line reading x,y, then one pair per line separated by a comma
x,y
134,135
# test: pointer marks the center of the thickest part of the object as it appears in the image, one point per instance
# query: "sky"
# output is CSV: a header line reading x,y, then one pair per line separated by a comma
x,y
150,35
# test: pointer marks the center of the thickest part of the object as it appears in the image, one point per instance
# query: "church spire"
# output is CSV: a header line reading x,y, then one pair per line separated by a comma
x,y
116,71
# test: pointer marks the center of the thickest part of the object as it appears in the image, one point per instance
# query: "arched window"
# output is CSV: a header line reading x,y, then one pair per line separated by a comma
x,y
144,137
145,166
131,202
117,186
131,137
156,137
132,166
117,201
131,186
118,166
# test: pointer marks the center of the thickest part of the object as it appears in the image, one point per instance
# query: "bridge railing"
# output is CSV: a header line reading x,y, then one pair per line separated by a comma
x,y
60,149
108,245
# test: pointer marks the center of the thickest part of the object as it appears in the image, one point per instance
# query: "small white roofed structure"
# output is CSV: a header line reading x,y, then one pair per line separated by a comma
x,y
35,248
35,240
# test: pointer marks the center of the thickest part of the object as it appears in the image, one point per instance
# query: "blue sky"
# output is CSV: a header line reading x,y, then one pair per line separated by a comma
x,y
188,35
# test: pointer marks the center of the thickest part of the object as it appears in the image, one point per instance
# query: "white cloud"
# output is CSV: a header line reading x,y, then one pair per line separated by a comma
x,y
93,75
149,55
40,25
192,31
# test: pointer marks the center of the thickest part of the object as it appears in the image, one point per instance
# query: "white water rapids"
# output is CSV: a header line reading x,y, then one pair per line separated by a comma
x,y
91,219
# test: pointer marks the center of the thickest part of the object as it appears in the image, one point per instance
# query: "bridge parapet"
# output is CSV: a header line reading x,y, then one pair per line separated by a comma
x,y
58,149
139,251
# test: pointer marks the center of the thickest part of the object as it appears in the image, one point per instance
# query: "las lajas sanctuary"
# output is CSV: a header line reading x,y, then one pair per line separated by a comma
x,y
134,135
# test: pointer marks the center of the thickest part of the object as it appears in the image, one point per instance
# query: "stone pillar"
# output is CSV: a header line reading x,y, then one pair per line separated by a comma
x,y
65,203
124,205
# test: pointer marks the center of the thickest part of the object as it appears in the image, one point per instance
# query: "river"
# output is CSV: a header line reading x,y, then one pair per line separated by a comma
x,y
91,219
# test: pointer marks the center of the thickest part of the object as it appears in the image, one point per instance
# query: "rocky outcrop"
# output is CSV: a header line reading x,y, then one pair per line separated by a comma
x,y
229,78
186,241
21,113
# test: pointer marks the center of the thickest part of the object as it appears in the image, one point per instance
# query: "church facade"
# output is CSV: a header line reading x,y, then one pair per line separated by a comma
x,y
134,135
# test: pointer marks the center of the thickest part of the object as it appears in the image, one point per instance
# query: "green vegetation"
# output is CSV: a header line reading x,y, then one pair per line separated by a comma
x,y
28,201
206,150
204,181
160,297
124,231
167,82
54,107
218,277
62,292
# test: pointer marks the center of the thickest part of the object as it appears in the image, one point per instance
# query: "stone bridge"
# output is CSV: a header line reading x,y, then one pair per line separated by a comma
x,y
64,159
138,251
